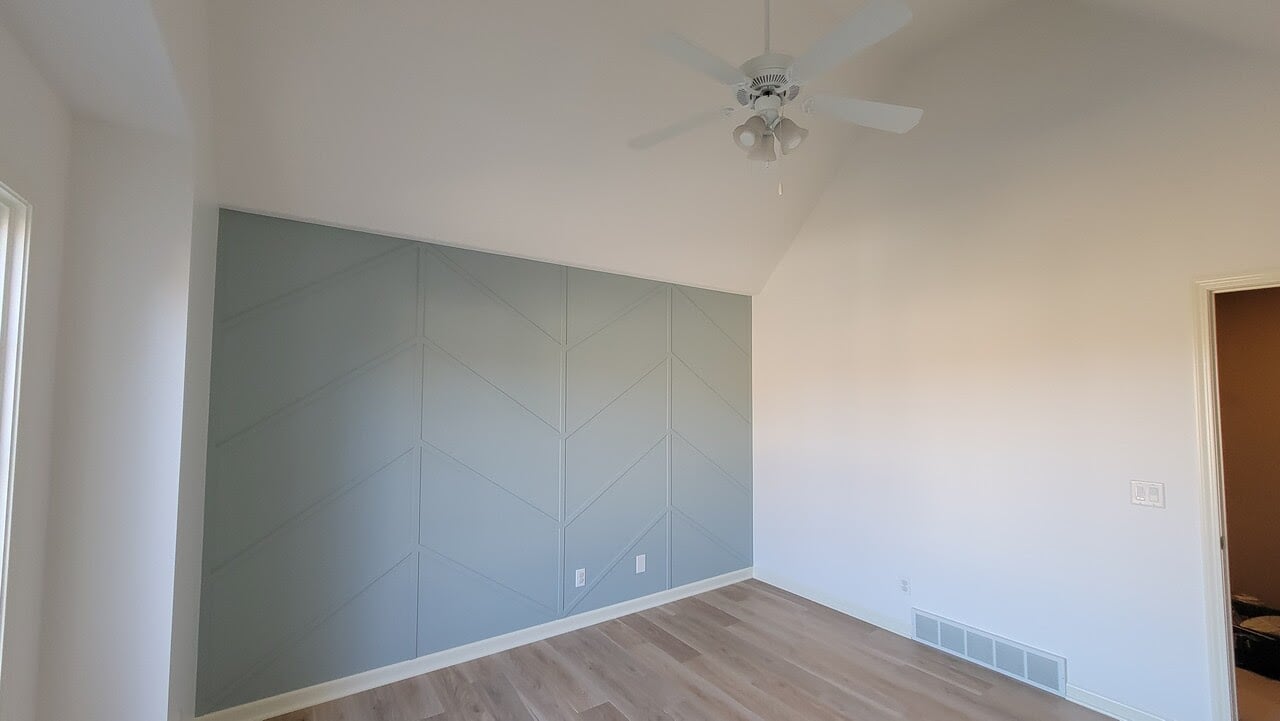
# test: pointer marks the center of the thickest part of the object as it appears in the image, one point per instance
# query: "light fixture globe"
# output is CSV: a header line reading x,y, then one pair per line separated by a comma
x,y
750,135
790,135
764,151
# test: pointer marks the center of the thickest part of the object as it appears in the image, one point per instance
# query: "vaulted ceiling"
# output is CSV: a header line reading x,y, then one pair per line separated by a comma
x,y
503,125
1250,24
107,57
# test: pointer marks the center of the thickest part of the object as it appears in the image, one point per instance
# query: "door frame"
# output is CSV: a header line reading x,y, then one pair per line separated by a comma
x,y
1213,523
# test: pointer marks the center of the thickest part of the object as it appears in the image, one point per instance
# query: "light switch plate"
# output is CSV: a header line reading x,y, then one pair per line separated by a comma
x,y
1146,493
640,563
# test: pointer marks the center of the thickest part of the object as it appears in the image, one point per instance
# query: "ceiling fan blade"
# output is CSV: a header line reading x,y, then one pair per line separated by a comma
x,y
692,56
867,113
875,21
648,140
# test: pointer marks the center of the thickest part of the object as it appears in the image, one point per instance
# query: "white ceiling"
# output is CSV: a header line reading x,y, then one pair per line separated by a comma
x,y
107,57
503,125
1250,24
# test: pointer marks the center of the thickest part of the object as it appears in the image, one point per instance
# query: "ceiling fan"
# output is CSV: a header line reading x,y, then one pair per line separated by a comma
x,y
768,83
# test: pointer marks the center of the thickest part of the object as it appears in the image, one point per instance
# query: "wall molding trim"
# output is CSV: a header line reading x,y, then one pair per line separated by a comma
x,y
902,627
1106,706
330,690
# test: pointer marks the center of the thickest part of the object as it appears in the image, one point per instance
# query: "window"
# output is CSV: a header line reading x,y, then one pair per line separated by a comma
x,y
15,217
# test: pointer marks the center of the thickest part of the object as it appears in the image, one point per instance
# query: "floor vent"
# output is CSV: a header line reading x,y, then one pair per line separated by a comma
x,y
1040,669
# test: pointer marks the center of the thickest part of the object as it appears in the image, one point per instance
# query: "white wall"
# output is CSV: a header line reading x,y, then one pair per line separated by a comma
x,y
195,424
116,635
185,26
986,329
113,516
35,132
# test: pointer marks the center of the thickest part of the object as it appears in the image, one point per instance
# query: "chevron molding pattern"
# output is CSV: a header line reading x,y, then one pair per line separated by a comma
x,y
413,448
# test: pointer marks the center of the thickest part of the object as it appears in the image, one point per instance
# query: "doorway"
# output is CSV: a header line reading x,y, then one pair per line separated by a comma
x,y
1240,437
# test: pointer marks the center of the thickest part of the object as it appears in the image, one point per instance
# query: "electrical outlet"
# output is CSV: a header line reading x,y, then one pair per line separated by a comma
x,y
580,578
640,563
1146,493
905,585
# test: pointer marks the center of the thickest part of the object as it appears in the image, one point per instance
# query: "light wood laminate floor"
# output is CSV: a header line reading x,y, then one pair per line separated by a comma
x,y
746,652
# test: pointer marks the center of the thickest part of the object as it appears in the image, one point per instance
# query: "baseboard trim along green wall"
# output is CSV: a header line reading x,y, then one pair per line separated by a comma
x,y
340,688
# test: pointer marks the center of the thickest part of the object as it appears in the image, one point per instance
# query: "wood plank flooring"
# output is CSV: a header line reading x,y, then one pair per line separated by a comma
x,y
747,652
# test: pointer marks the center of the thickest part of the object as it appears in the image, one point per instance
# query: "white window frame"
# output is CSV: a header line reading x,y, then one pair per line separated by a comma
x,y
15,236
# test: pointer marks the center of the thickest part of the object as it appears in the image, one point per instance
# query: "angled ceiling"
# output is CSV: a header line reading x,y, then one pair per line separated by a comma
x,y
1252,25
107,58
503,125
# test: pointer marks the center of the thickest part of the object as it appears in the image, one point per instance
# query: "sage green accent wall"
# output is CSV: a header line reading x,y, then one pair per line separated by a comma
x,y
413,447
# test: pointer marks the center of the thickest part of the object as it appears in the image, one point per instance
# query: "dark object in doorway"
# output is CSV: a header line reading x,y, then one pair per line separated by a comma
x,y
1258,646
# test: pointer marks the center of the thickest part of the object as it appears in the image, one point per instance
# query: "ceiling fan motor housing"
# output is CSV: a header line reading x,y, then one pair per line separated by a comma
x,y
769,77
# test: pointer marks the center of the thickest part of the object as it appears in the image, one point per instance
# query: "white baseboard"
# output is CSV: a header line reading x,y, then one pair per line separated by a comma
x,y
902,627
1106,706
330,690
